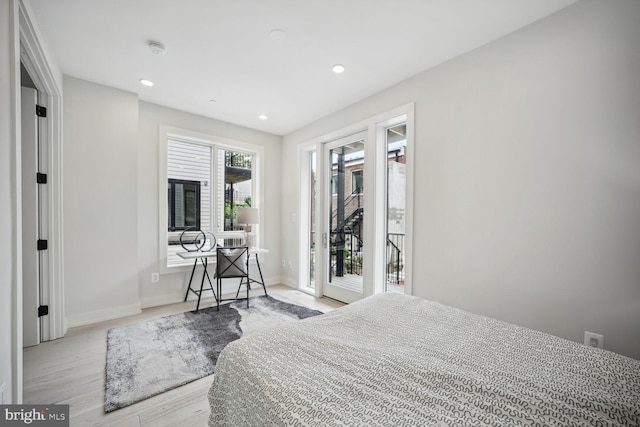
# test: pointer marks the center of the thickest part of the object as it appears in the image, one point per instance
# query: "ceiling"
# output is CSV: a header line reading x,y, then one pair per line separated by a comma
x,y
221,62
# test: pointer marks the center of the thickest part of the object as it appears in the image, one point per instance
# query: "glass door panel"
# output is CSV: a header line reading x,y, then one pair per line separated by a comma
x,y
396,149
344,230
312,220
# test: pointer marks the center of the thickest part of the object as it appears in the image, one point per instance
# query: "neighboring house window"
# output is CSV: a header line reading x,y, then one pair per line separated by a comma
x,y
334,184
206,184
184,204
356,182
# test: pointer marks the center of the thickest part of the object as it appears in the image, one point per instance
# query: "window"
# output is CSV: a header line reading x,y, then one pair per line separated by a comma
x,y
184,204
236,172
207,179
356,182
396,148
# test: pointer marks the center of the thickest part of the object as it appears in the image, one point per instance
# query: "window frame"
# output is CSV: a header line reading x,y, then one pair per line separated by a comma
x,y
216,142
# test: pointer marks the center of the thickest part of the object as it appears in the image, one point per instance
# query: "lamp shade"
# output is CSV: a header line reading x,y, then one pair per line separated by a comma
x,y
248,216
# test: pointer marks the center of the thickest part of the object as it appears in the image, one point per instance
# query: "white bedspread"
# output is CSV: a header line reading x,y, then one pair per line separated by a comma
x,y
395,360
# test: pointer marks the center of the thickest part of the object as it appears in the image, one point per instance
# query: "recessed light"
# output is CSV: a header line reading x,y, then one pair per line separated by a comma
x,y
278,34
156,48
146,82
338,68
262,117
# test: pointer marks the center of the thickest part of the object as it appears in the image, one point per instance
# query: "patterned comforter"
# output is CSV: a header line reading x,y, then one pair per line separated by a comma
x,y
396,360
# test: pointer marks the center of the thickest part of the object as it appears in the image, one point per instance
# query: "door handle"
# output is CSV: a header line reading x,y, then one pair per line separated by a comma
x,y
324,240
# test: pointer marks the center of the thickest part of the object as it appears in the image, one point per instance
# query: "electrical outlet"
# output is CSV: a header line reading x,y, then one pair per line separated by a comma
x,y
2,387
284,263
290,265
593,340
155,277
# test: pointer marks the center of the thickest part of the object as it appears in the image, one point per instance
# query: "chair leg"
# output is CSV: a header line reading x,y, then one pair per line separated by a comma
x,y
247,291
218,296
239,286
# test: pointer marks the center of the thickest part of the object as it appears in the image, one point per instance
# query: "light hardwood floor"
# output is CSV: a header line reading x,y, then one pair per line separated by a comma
x,y
71,370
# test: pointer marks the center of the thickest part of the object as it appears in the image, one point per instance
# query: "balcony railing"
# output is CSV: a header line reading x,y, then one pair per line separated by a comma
x,y
352,258
351,246
237,160
395,258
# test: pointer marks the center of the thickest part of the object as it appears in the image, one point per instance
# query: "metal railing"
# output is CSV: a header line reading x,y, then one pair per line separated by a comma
x,y
351,246
238,160
395,258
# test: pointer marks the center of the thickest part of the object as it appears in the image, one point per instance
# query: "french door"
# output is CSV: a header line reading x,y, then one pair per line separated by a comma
x,y
344,217
356,209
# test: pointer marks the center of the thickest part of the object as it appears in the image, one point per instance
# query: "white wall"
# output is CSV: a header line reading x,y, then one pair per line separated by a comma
x,y
111,200
528,158
100,190
10,249
172,287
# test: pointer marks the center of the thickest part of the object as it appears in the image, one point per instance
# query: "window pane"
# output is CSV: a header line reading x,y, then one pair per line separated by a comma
x,y
356,182
312,220
178,196
237,172
396,193
188,192
190,206
170,217
347,218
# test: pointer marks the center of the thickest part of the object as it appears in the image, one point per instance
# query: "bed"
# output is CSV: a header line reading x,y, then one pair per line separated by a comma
x,y
396,360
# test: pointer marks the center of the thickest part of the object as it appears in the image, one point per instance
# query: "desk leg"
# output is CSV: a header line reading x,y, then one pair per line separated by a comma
x,y
205,272
261,278
193,270
202,283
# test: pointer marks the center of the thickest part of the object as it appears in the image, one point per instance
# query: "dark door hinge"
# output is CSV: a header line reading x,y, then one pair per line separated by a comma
x,y
42,244
41,111
41,178
43,310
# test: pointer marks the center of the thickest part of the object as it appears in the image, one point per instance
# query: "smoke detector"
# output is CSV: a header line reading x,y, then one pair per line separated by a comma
x,y
156,48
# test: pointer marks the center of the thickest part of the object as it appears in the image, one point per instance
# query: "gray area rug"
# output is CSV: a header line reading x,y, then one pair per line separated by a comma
x,y
148,358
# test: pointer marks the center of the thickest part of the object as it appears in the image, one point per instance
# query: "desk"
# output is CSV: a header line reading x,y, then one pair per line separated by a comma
x,y
204,258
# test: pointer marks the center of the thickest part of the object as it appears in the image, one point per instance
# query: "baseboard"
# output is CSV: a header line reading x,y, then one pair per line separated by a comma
x,y
270,281
289,282
167,299
102,315
158,300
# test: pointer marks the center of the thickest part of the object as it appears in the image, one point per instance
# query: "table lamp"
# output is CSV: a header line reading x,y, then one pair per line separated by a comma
x,y
248,217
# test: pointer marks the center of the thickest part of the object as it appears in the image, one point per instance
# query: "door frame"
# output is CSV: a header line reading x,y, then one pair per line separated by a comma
x,y
34,57
31,263
375,146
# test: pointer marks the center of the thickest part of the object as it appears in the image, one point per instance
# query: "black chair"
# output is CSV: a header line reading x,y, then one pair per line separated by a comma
x,y
232,263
